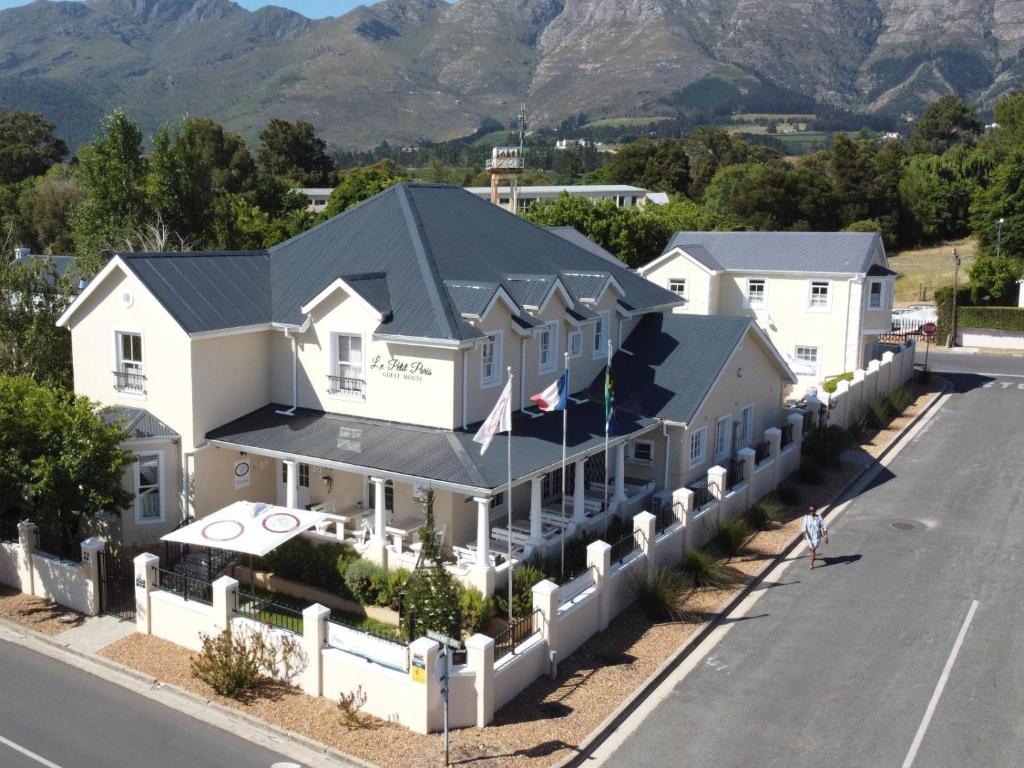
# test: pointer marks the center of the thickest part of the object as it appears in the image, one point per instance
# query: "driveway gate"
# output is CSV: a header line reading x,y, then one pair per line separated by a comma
x,y
117,585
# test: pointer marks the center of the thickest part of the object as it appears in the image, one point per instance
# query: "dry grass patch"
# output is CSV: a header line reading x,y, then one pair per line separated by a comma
x,y
36,613
930,268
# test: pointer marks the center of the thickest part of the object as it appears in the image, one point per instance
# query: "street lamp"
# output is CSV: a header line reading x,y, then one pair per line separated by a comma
x,y
999,235
952,323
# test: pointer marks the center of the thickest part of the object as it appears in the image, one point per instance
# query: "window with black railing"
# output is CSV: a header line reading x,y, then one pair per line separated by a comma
x,y
734,473
515,634
625,546
787,435
344,385
185,586
267,612
762,452
59,546
129,381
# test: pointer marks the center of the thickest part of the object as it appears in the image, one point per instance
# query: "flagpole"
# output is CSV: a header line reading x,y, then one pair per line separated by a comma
x,y
508,497
607,373
565,426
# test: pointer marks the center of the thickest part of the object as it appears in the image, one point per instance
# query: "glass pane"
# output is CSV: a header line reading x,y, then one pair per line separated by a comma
x,y
356,345
149,474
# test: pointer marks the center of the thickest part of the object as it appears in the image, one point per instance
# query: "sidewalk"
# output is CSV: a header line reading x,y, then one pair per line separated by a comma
x,y
94,633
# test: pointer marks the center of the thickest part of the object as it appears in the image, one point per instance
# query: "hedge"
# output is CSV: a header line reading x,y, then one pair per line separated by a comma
x,y
995,318
831,385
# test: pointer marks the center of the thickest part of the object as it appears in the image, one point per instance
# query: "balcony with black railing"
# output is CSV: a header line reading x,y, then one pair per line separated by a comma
x,y
130,381
625,546
762,452
734,471
702,496
345,385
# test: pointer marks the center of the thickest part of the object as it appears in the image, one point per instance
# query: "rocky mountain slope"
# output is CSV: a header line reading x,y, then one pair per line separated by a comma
x,y
405,69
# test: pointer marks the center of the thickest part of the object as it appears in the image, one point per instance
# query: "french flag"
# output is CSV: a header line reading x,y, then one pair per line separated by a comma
x,y
555,396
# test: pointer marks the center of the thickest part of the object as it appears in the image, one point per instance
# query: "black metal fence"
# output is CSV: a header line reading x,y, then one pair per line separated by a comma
x,y
188,587
762,452
515,634
60,547
808,421
625,546
787,435
702,496
267,612
338,384
388,637
125,381
8,529
665,518
734,472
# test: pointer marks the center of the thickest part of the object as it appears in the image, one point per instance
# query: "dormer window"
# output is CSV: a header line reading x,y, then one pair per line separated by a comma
x,y
601,334
548,346
490,360
347,376
130,373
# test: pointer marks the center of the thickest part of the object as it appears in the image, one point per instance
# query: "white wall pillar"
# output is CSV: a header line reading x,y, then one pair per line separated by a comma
x,y
225,599
682,505
645,526
27,541
91,548
746,455
483,531
545,600
579,512
291,484
426,712
716,481
314,633
773,436
536,523
619,494
145,582
599,558
480,659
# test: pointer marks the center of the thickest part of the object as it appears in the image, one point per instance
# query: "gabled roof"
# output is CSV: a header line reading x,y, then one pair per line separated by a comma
x,y
140,423
675,361
825,252
574,236
877,270
61,264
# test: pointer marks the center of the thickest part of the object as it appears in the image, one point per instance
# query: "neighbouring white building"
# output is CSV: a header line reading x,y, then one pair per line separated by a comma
x,y
623,195
823,298
317,197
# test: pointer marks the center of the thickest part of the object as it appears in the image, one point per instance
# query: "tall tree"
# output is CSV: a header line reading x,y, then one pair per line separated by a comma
x,y
112,172
943,124
294,152
362,183
28,146
179,182
47,208
1004,199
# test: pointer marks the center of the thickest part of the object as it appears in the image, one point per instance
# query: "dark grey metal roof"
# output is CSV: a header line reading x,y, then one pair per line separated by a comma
x,y
528,290
675,362
61,265
585,285
703,255
576,237
431,454
139,422
471,298
373,287
207,291
833,252
877,270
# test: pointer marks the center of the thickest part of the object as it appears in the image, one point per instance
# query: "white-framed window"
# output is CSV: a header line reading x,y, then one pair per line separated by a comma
x,y
601,328
498,500
723,427
575,344
757,298
876,294
131,370
678,286
303,474
807,355
490,360
547,346
348,375
746,425
643,451
820,296
149,500
389,494
698,443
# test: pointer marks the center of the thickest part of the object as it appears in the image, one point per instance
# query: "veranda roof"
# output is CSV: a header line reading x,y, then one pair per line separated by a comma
x,y
253,528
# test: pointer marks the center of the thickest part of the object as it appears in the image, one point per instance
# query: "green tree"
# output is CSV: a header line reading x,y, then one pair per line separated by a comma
x,y
662,166
437,172
683,214
47,208
432,597
710,148
994,278
293,151
179,182
362,183
112,173
936,198
225,154
59,463
32,297
943,124
1004,199
28,146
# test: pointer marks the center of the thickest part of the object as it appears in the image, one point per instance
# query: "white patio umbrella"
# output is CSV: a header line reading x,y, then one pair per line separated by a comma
x,y
252,528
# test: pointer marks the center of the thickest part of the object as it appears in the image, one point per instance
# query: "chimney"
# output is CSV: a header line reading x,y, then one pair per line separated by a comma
x,y
21,252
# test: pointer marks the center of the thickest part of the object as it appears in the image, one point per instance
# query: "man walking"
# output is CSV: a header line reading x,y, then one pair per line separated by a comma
x,y
814,532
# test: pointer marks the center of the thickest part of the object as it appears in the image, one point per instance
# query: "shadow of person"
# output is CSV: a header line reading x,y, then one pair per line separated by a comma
x,y
840,560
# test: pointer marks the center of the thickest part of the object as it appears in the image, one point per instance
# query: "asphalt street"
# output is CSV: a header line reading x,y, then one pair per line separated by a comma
x,y
56,716
905,648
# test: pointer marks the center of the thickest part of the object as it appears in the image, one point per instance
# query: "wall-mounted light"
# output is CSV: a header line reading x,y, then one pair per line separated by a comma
x,y
739,372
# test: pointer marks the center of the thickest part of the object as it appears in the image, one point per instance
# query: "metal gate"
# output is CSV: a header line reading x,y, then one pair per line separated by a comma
x,y
117,586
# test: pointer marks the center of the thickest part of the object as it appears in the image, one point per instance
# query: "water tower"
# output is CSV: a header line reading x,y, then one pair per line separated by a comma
x,y
506,165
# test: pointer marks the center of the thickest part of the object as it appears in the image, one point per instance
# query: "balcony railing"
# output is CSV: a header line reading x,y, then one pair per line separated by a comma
x,y
734,473
343,385
505,163
129,381
787,435
762,452
517,633
702,496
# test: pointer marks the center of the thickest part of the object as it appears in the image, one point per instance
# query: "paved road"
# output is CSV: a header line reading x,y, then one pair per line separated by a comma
x,y
840,666
69,719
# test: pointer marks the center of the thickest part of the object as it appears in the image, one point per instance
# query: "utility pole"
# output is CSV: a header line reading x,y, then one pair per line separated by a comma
x,y
952,324
999,236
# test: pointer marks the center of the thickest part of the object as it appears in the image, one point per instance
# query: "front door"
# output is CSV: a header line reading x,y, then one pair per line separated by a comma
x,y
302,499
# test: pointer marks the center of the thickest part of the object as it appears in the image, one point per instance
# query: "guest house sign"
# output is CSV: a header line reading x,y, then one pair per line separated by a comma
x,y
399,368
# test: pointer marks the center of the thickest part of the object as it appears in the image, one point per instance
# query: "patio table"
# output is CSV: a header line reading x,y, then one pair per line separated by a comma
x,y
403,525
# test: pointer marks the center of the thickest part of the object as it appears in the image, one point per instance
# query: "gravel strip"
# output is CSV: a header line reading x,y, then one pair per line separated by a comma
x,y
549,718
36,613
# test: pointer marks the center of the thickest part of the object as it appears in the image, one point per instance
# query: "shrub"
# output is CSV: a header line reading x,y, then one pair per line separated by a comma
x,y
315,564
477,610
809,474
349,704
731,536
432,596
831,385
365,580
899,400
235,663
392,585
764,513
825,444
702,569
523,579
657,590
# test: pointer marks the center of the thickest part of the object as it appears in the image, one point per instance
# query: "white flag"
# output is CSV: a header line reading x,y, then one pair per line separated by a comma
x,y
499,420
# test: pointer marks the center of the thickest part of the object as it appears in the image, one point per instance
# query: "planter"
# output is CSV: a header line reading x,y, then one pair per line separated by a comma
x,y
271,583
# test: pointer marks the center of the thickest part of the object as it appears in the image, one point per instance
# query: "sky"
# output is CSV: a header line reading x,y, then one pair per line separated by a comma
x,y
314,9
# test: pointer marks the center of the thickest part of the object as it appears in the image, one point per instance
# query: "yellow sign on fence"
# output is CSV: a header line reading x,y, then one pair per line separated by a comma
x,y
418,669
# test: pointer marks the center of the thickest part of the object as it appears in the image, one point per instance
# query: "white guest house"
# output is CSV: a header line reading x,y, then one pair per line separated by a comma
x,y
823,298
348,368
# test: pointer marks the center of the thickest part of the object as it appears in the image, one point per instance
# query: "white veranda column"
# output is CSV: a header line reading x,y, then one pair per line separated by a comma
x,y
619,493
483,531
579,512
536,528
291,484
378,508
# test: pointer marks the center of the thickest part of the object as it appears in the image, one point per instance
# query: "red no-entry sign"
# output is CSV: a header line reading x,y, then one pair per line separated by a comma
x,y
928,329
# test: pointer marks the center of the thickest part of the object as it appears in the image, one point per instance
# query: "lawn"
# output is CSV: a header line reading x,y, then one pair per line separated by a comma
x,y
922,270
624,122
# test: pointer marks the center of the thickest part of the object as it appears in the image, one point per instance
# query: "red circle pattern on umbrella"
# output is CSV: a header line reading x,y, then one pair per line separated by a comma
x,y
281,522
223,530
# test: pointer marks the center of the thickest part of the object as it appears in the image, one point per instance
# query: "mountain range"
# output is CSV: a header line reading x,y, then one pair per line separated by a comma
x,y
401,70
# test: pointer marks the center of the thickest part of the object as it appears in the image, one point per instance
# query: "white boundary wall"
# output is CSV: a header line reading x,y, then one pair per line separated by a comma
x,y
73,585
990,338
853,398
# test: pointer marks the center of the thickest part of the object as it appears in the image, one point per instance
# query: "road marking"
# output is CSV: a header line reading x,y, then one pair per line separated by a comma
x,y
990,375
28,753
940,687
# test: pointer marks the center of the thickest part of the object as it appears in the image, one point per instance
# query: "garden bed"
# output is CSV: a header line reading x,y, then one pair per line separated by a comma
x,y
36,613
